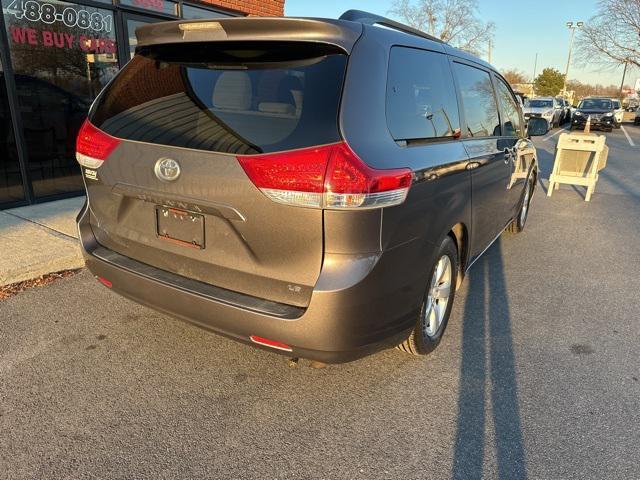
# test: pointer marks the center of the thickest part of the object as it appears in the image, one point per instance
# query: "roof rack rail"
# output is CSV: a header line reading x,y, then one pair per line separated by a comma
x,y
368,18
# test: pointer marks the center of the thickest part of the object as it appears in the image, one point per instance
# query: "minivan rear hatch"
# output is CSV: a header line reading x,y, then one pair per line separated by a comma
x,y
173,194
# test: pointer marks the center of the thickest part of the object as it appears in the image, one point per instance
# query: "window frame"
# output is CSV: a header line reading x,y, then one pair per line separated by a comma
x,y
463,118
421,140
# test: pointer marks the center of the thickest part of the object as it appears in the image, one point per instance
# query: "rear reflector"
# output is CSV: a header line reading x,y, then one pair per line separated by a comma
x,y
105,282
93,146
270,343
331,177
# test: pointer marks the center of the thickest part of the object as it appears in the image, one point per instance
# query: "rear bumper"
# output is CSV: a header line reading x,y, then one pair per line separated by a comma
x,y
356,309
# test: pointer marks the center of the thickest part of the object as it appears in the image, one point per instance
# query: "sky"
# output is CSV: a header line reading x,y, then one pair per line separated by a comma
x,y
522,29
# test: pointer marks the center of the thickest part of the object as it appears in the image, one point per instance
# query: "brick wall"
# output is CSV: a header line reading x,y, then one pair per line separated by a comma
x,y
263,8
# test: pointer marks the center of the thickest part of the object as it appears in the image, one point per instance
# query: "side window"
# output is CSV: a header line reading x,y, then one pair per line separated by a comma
x,y
421,99
480,108
509,109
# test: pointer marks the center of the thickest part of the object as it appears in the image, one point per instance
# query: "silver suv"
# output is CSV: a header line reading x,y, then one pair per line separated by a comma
x,y
544,107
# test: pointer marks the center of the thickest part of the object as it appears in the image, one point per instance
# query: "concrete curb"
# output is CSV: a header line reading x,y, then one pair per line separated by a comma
x,y
38,240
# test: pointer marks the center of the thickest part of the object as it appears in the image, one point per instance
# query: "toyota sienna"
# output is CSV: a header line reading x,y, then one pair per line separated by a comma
x,y
313,187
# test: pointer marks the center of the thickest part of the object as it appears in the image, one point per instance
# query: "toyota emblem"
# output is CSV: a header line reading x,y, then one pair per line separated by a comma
x,y
167,169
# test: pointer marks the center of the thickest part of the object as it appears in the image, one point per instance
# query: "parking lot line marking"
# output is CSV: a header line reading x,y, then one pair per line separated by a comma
x,y
627,135
554,134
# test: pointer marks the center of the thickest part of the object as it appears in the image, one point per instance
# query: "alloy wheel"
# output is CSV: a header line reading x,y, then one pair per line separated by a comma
x,y
438,296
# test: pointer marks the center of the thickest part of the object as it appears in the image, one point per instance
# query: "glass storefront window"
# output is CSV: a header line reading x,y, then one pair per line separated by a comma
x,y
132,25
190,12
63,54
155,6
11,186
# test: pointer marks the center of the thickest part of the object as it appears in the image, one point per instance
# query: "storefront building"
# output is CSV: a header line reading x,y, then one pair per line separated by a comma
x,y
55,56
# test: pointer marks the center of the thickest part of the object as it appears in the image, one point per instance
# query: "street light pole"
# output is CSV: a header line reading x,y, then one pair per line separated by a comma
x,y
573,28
624,74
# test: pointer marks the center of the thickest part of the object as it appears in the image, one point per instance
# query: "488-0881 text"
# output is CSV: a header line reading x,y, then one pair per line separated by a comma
x,y
48,13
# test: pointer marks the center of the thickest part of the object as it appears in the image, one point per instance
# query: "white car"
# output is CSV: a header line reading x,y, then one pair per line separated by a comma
x,y
618,112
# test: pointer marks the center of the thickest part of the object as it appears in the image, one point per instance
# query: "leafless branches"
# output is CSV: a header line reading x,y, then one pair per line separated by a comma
x,y
612,37
453,21
514,76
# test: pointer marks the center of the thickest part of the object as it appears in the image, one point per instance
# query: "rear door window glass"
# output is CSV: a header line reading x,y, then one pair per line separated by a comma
x,y
226,98
509,110
421,99
479,101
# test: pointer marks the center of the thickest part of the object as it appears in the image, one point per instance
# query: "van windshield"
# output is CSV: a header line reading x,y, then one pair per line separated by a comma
x,y
227,97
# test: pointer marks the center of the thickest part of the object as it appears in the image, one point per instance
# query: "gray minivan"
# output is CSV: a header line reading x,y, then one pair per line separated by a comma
x,y
313,187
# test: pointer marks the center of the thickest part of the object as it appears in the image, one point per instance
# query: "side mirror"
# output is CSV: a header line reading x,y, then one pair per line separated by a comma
x,y
537,127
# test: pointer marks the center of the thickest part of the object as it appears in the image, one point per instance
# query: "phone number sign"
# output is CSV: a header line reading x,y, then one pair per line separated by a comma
x,y
70,16
98,38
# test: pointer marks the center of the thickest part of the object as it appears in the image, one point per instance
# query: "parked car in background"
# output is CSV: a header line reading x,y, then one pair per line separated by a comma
x,y
631,104
322,199
636,120
566,110
544,107
618,112
600,110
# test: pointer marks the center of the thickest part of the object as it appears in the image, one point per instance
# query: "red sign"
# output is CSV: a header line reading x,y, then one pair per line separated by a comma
x,y
49,38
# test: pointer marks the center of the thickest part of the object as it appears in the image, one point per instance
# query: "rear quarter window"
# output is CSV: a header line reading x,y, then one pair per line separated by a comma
x,y
226,98
421,101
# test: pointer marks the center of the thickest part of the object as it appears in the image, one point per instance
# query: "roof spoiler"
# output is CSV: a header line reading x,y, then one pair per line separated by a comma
x,y
333,32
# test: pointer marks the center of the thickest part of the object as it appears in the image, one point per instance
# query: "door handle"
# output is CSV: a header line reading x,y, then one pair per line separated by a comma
x,y
472,165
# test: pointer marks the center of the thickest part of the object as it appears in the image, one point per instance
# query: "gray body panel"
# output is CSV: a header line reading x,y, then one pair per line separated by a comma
x,y
252,244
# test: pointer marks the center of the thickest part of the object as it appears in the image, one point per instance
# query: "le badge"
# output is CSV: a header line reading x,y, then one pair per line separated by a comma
x,y
91,174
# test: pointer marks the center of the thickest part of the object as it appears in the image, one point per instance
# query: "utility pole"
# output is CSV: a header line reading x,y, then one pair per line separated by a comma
x,y
490,45
624,74
573,28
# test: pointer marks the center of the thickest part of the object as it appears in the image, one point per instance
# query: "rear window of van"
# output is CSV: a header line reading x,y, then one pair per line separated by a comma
x,y
226,97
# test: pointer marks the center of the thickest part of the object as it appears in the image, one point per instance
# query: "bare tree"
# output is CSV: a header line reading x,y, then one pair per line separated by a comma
x,y
514,76
453,21
582,90
612,36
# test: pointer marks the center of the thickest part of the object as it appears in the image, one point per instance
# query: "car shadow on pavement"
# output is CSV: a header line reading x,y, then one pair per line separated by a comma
x,y
488,384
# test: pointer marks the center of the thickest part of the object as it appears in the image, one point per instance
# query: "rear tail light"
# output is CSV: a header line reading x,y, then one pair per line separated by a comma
x,y
331,177
270,343
93,146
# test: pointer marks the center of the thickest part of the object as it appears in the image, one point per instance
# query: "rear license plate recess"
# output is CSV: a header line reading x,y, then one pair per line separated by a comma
x,y
180,227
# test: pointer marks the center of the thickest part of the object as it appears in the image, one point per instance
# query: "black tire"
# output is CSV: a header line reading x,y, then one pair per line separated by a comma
x,y
517,224
419,342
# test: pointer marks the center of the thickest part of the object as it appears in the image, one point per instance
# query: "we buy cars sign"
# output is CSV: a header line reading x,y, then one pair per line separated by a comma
x,y
50,38
61,25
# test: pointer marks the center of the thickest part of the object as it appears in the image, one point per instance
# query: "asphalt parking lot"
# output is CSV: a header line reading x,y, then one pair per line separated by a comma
x,y
537,376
